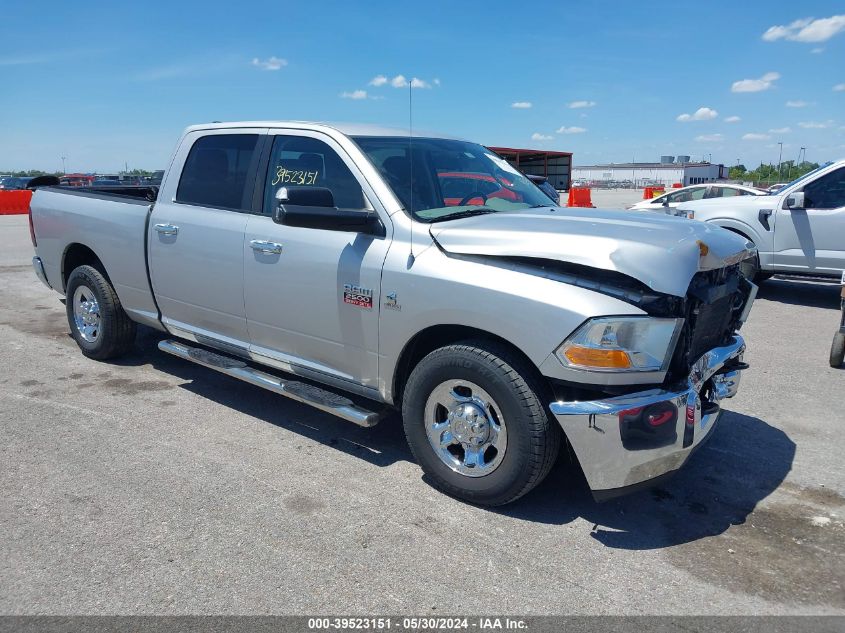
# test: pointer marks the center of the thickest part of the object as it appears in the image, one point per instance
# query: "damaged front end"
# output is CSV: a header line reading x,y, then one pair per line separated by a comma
x,y
626,435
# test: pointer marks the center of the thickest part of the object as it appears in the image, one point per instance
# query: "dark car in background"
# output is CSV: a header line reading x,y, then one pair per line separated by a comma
x,y
545,186
14,182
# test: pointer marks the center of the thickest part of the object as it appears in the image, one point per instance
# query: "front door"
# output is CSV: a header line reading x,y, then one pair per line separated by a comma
x,y
197,233
312,295
812,239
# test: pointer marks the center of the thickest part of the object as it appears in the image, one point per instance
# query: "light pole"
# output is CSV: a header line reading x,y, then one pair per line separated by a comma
x,y
780,157
64,158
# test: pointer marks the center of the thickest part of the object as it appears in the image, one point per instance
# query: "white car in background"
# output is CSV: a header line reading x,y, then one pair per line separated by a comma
x,y
672,199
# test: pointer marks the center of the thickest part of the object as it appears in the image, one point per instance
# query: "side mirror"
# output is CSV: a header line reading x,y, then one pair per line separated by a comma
x,y
313,208
665,202
795,200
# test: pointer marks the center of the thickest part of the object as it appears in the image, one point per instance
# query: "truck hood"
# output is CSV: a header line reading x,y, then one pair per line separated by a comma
x,y
662,252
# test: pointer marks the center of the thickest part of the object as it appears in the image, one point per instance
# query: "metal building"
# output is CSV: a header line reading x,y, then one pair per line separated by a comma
x,y
664,173
556,166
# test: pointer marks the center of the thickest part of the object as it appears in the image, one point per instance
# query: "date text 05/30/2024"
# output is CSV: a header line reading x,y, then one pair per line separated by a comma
x,y
417,623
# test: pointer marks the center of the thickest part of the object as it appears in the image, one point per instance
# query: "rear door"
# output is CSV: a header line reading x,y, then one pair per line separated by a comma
x,y
197,232
312,295
812,239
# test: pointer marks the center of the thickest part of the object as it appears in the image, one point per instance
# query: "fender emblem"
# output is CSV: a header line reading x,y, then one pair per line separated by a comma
x,y
358,296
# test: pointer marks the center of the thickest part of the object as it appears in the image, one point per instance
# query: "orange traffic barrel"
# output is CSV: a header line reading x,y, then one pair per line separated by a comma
x,y
15,202
579,197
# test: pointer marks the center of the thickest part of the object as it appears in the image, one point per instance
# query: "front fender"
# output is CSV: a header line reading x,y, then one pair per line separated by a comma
x,y
533,313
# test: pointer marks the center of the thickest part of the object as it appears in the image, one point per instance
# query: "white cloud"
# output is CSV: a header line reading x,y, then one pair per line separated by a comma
x,y
709,138
521,105
839,88
732,119
355,94
817,50
582,104
540,137
807,30
702,114
780,130
815,125
755,85
271,63
797,104
751,136
571,130
400,81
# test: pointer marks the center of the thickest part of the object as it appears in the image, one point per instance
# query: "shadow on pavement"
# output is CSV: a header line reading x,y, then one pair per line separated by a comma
x,y
382,445
743,462
803,293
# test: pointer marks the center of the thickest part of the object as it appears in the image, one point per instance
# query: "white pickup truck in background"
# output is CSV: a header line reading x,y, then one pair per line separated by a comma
x,y
798,229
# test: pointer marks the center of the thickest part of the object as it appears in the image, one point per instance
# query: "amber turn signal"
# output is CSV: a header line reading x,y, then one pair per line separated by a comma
x,y
597,357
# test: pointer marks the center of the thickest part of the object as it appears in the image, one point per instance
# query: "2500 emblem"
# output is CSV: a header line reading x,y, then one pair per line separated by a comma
x,y
358,296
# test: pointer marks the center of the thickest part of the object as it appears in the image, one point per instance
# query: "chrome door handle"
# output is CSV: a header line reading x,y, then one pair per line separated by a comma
x,y
167,229
262,246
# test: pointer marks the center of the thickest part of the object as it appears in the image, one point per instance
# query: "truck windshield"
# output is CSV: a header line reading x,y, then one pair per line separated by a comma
x,y
800,178
441,179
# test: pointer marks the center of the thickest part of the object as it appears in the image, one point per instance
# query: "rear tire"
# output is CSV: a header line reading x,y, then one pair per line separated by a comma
x,y
495,441
97,321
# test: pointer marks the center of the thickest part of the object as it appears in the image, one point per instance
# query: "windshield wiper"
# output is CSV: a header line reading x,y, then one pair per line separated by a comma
x,y
468,213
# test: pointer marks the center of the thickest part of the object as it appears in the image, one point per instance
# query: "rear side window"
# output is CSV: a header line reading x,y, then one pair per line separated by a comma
x,y
302,161
219,172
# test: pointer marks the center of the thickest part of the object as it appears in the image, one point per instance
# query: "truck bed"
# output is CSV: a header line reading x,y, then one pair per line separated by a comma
x,y
110,221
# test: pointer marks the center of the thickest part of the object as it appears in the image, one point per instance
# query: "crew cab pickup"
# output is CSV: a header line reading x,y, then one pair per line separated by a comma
x,y
798,229
327,264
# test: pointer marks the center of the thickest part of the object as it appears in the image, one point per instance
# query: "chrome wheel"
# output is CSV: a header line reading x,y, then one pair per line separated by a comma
x,y
465,428
86,314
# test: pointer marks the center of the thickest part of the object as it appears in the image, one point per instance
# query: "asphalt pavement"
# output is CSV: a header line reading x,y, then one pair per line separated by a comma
x,y
151,485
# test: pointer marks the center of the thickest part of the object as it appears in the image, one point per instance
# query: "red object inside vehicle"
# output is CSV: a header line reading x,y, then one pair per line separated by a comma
x,y
472,188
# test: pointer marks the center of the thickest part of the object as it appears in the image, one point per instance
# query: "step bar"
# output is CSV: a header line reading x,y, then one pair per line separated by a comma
x,y
316,397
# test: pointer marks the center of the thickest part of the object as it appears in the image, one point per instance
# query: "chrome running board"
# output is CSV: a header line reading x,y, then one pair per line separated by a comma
x,y
316,397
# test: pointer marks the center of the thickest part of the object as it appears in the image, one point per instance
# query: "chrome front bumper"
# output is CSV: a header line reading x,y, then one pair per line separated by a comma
x,y
628,440
38,265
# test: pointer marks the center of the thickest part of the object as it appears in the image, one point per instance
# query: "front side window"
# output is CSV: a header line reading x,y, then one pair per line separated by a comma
x,y
687,195
827,192
723,192
441,179
217,172
302,161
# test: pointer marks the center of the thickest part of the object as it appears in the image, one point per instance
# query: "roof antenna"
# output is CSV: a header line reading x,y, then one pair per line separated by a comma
x,y
411,257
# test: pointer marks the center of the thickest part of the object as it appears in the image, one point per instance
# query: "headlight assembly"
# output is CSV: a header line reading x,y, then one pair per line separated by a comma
x,y
621,344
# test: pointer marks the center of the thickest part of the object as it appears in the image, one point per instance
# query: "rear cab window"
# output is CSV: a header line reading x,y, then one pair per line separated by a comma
x,y
220,172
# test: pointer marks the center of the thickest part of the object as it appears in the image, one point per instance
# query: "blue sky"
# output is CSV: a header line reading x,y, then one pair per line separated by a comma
x,y
108,83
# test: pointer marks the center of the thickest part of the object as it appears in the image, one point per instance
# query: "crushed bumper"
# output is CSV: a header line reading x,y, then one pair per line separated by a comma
x,y
626,441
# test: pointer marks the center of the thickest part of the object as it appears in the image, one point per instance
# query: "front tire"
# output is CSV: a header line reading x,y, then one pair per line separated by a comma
x,y
97,321
475,419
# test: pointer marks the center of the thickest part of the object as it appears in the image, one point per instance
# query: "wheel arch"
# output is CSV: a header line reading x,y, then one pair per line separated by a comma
x,y
77,254
433,337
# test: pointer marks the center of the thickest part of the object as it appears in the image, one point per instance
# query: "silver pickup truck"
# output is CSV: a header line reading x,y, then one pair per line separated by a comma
x,y
359,269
